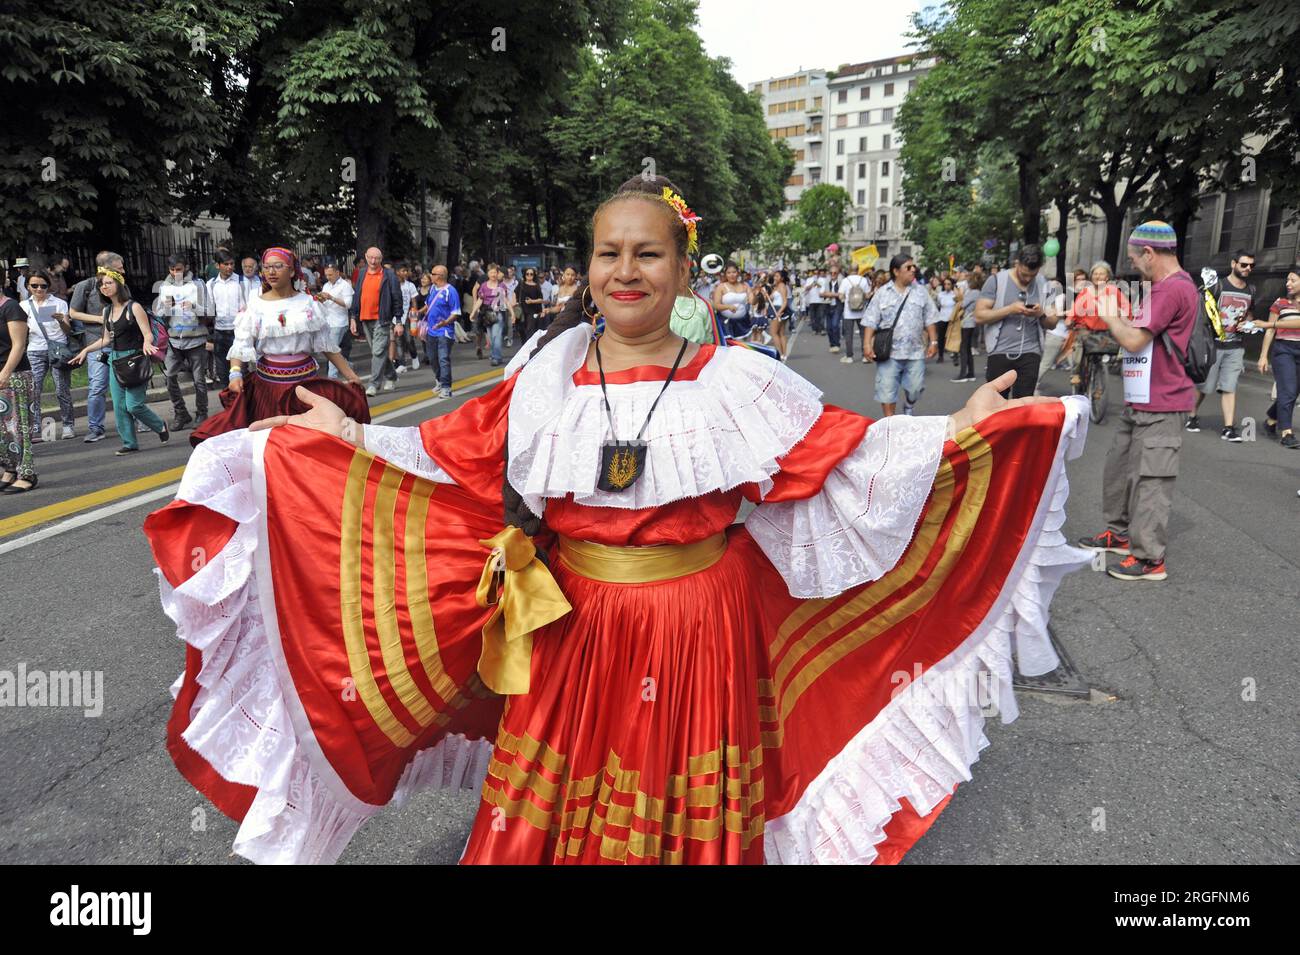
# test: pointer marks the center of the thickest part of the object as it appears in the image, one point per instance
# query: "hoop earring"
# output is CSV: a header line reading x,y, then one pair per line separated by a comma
x,y
592,316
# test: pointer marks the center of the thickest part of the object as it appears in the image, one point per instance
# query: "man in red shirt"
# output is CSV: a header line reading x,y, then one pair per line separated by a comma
x,y
1142,464
376,306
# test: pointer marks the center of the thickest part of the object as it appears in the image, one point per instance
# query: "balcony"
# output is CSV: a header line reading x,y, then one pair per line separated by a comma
x,y
813,135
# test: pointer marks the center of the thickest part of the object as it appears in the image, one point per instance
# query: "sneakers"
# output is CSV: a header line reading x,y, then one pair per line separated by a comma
x,y
834,349
908,407
121,452
846,360
1270,428
1289,441
164,435
1135,568
401,369
93,437
415,364
180,424
1107,541
442,392
865,360
1231,434
962,381
68,432
371,390
1193,425
389,385
200,419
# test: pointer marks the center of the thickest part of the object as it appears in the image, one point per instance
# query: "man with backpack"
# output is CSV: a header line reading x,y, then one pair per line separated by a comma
x,y
182,302
854,291
1166,352
1013,311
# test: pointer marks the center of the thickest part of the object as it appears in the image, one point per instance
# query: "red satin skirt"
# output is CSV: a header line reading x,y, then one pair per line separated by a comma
x,y
269,391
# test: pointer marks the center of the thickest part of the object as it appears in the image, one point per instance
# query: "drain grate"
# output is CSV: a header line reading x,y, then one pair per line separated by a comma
x,y
1065,680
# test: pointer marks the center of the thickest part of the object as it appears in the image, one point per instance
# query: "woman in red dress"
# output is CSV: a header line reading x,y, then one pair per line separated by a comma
x,y
544,595
276,335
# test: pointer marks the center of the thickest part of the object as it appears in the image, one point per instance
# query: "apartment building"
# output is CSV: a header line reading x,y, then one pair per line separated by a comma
x,y
794,106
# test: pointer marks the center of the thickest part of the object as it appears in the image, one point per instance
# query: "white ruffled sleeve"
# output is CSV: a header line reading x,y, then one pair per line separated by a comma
x,y
858,526
244,346
404,448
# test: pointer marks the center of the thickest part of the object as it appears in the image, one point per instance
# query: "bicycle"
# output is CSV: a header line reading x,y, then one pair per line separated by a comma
x,y
1092,376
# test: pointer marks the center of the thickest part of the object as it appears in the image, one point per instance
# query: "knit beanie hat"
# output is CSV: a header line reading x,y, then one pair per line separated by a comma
x,y
1157,234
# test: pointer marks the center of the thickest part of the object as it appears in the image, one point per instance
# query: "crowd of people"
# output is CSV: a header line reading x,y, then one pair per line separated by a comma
x,y
403,314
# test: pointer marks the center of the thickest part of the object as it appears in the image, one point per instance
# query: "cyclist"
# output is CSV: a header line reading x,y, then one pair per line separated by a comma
x,y
1091,301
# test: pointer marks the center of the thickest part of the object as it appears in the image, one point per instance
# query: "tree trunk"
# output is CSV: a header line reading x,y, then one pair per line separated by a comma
x,y
1062,236
373,155
455,226
1031,208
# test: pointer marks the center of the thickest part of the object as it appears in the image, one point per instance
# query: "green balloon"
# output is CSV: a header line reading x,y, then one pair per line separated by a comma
x,y
1051,247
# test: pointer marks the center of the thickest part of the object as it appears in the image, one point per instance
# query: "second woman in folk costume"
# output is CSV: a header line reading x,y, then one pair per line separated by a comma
x,y
543,595
276,336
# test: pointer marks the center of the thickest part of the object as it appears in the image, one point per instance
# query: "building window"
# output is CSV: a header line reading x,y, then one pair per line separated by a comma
x,y
864,92
864,118
884,141
887,115
884,168
862,201
889,89
839,173
842,96
884,222
859,224
798,155
839,147
1273,226
817,102
814,150
911,85
862,144
841,121
884,196
1229,214
814,176
862,170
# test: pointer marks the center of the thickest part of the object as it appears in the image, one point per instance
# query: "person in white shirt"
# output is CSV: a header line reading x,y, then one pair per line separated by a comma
x,y
228,295
401,347
512,282
335,297
48,329
252,281
812,300
855,293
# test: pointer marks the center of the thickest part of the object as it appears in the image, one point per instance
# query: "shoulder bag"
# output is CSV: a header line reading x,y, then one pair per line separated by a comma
x,y
883,342
60,353
131,371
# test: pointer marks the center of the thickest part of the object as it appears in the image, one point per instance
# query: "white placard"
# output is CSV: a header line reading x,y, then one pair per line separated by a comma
x,y
1135,369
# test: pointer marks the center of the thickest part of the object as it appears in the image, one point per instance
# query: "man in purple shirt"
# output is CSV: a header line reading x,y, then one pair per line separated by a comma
x,y
1142,464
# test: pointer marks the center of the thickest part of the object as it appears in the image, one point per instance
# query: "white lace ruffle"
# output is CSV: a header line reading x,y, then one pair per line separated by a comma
x,y
404,448
925,740
240,720
725,429
859,524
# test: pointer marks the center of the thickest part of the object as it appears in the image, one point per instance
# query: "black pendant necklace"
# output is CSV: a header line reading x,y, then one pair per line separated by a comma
x,y
623,462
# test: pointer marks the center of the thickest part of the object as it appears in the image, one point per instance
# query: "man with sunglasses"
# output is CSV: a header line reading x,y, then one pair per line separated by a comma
x,y
1235,298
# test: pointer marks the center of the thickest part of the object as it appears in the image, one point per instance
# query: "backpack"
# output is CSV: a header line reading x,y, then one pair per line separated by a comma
x,y
857,297
161,337
1200,347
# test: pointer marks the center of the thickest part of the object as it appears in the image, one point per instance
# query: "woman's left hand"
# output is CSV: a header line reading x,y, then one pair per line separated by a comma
x,y
987,400
150,350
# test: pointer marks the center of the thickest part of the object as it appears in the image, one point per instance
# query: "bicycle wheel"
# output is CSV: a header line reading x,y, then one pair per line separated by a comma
x,y
1097,400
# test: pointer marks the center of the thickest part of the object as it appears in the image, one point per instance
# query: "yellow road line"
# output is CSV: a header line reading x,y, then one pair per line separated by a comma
x,y
53,512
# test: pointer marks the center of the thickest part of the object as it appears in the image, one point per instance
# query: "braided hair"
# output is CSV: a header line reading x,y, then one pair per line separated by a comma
x,y
638,188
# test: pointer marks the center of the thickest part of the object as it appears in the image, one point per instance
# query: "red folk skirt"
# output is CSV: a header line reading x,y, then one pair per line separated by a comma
x,y
269,391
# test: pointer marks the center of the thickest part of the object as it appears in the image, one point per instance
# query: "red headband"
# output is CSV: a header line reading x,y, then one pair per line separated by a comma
x,y
285,255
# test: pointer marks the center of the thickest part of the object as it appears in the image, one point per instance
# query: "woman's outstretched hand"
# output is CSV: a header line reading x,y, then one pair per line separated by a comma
x,y
322,415
987,401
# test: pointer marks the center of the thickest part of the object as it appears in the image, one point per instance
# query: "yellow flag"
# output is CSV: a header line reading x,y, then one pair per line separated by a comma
x,y
865,257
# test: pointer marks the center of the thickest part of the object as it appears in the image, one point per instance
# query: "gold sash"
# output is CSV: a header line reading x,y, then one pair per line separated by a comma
x,y
640,565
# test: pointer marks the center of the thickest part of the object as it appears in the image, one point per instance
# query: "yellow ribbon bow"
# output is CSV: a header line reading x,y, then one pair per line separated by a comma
x,y
529,599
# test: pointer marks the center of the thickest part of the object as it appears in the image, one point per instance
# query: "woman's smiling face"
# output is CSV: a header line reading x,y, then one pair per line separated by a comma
x,y
635,269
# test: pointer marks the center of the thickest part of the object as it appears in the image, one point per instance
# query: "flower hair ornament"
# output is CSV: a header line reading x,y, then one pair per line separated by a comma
x,y
689,218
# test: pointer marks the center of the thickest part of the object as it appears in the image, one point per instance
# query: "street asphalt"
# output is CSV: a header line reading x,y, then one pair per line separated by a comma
x,y
1186,753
